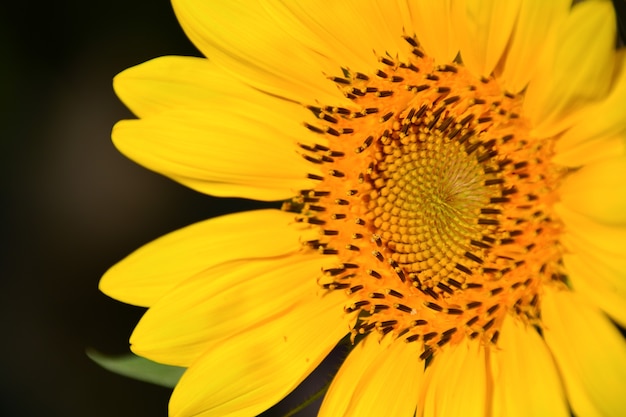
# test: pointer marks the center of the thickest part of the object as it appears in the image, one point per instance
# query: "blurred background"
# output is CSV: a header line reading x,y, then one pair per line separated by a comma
x,y
73,206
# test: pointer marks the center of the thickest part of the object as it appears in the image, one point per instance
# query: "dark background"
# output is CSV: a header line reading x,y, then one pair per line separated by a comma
x,y
72,205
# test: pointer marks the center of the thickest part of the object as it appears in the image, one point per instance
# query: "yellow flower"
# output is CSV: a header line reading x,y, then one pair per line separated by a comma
x,y
454,176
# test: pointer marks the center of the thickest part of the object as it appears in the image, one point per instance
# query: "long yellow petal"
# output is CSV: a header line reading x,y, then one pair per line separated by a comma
x,y
483,29
591,151
535,23
153,270
249,41
172,82
391,383
456,383
251,371
223,301
433,27
592,236
598,191
567,80
342,388
525,379
590,353
603,120
602,285
251,147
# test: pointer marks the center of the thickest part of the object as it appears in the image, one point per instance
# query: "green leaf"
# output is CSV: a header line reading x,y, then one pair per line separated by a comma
x,y
136,367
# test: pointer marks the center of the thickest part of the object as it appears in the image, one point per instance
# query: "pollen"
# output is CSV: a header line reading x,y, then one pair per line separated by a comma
x,y
436,200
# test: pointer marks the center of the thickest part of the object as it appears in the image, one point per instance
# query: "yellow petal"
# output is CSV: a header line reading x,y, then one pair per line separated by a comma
x,y
222,301
598,191
178,82
605,119
251,147
602,285
270,52
591,151
354,33
342,388
482,29
590,353
456,383
592,236
535,23
433,27
525,379
251,371
154,269
390,384
574,69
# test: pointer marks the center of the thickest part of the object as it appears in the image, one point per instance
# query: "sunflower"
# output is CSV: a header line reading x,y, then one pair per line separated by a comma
x,y
452,183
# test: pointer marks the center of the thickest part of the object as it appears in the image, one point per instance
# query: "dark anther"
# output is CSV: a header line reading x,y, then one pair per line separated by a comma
x,y
327,232
357,92
336,173
499,200
494,338
427,353
488,222
332,131
412,338
314,177
487,155
446,123
377,255
352,248
418,322
496,291
313,128
493,309
445,288
454,311
371,110
361,76
466,136
473,304
411,41
329,118
490,211
451,100
394,293
340,80
338,216
472,321
374,274
442,90
454,283
327,251
380,307
386,117
341,202
381,74
488,325
396,79
385,93
429,336
433,306
376,295
463,268
418,53
432,77
473,257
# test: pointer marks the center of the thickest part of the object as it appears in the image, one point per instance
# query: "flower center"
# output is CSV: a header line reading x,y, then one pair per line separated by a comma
x,y
437,202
